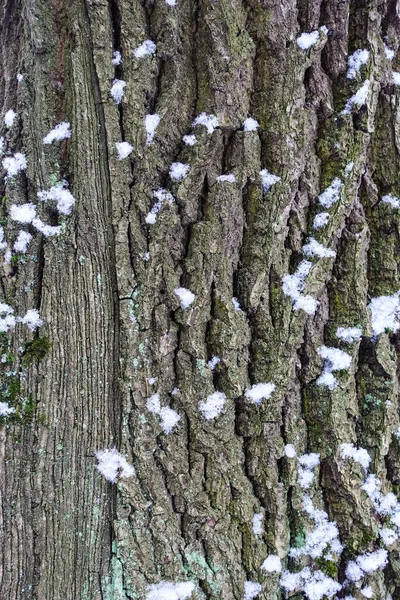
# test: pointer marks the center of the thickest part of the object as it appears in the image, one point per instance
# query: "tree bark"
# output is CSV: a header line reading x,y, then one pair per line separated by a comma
x,y
105,291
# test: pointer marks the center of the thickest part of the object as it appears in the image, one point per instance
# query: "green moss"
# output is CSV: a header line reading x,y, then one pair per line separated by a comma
x,y
328,567
35,350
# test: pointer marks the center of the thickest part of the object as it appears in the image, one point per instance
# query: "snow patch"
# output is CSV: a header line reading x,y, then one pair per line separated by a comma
x,y
124,149
259,391
185,296
62,131
213,406
113,465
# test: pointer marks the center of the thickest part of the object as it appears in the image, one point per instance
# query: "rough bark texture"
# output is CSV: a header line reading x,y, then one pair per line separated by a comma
x,y
112,319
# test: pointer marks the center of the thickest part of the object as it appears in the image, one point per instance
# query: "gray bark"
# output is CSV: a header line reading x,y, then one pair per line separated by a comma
x,y
112,318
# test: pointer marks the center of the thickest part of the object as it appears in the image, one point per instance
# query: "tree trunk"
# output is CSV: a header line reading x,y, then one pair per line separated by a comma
x,y
112,321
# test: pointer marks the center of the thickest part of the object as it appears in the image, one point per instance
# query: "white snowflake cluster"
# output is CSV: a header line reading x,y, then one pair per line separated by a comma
x,y
257,523
360,455
162,196
259,392
268,179
349,334
392,200
334,360
314,248
359,99
384,313
293,286
62,131
185,296
8,320
213,406
113,465
167,590
169,417
356,61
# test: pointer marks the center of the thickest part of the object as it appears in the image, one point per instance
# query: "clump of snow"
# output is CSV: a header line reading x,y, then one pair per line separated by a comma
x,y
170,2
117,58
32,319
367,591
257,523
384,313
190,140
334,360
359,99
307,462
348,169
153,404
290,451
185,296
210,122
356,61
315,584
268,179
178,171
7,319
14,164
22,242
388,536
236,304
60,194
46,230
22,213
251,590
19,77
349,334
118,90
321,220
151,123
9,117
392,200
124,149
307,303
323,540
314,248
388,52
3,243
169,417
213,362
293,285
331,194
306,40
272,564
372,561
213,406
259,391
62,131
396,78
167,590
250,124
360,455
162,196
113,465
6,410
152,380
229,178
146,48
